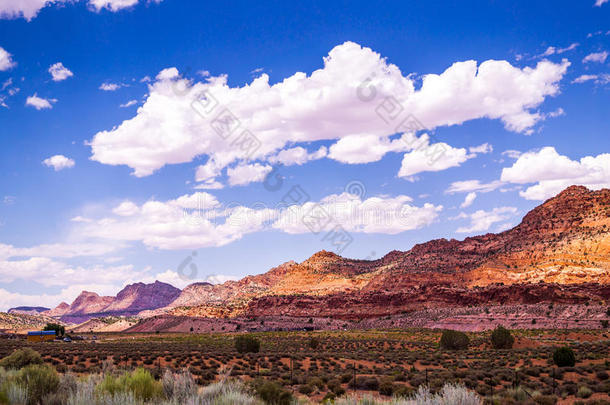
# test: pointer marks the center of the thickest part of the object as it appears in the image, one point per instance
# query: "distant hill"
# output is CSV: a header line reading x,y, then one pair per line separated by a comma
x,y
27,310
17,322
131,300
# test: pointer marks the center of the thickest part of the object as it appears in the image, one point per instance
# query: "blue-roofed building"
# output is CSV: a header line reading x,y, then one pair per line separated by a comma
x,y
41,335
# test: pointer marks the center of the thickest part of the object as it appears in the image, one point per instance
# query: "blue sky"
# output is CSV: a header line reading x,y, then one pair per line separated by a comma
x,y
115,167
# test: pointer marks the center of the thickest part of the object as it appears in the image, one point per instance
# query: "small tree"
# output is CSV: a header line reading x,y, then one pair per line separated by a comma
x,y
454,340
314,343
247,344
564,357
21,358
501,338
59,329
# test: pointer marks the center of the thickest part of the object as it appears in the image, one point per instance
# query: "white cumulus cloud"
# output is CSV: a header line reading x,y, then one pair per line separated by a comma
x,y
106,86
59,72
182,119
40,103
59,162
6,60
129,103
199,220
386,215
27,9
112,5
432,158
473,185
482,220
470,197
245,174
298,156
597,57
598,79
553,172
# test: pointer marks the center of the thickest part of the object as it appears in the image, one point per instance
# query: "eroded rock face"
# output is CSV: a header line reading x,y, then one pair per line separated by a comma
x,y
88,303
58,310
564,241
140,296
131,300
367,304
560,252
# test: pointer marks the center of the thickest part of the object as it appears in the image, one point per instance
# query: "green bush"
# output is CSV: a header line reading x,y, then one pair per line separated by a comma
x,y
272,393
454,340
545,399
21,358
247,344
403,391
501,338
40,381
564,357
140,383
365,383
584,392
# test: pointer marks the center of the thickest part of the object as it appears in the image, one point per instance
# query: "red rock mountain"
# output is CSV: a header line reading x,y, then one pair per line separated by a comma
x,y
560,252
563,243
58,310
131,300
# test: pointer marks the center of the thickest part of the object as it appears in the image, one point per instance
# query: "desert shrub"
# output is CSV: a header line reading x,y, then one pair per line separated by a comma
x,y
21,358
247,344
545,399
584,392
39,380
501,338
306,389
334,385
178,386
16,394
454,340
316,382
68,384
448,395
314,343
403,391
365,383
602,375
386,388
272,393
564,357
140,383
226,392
